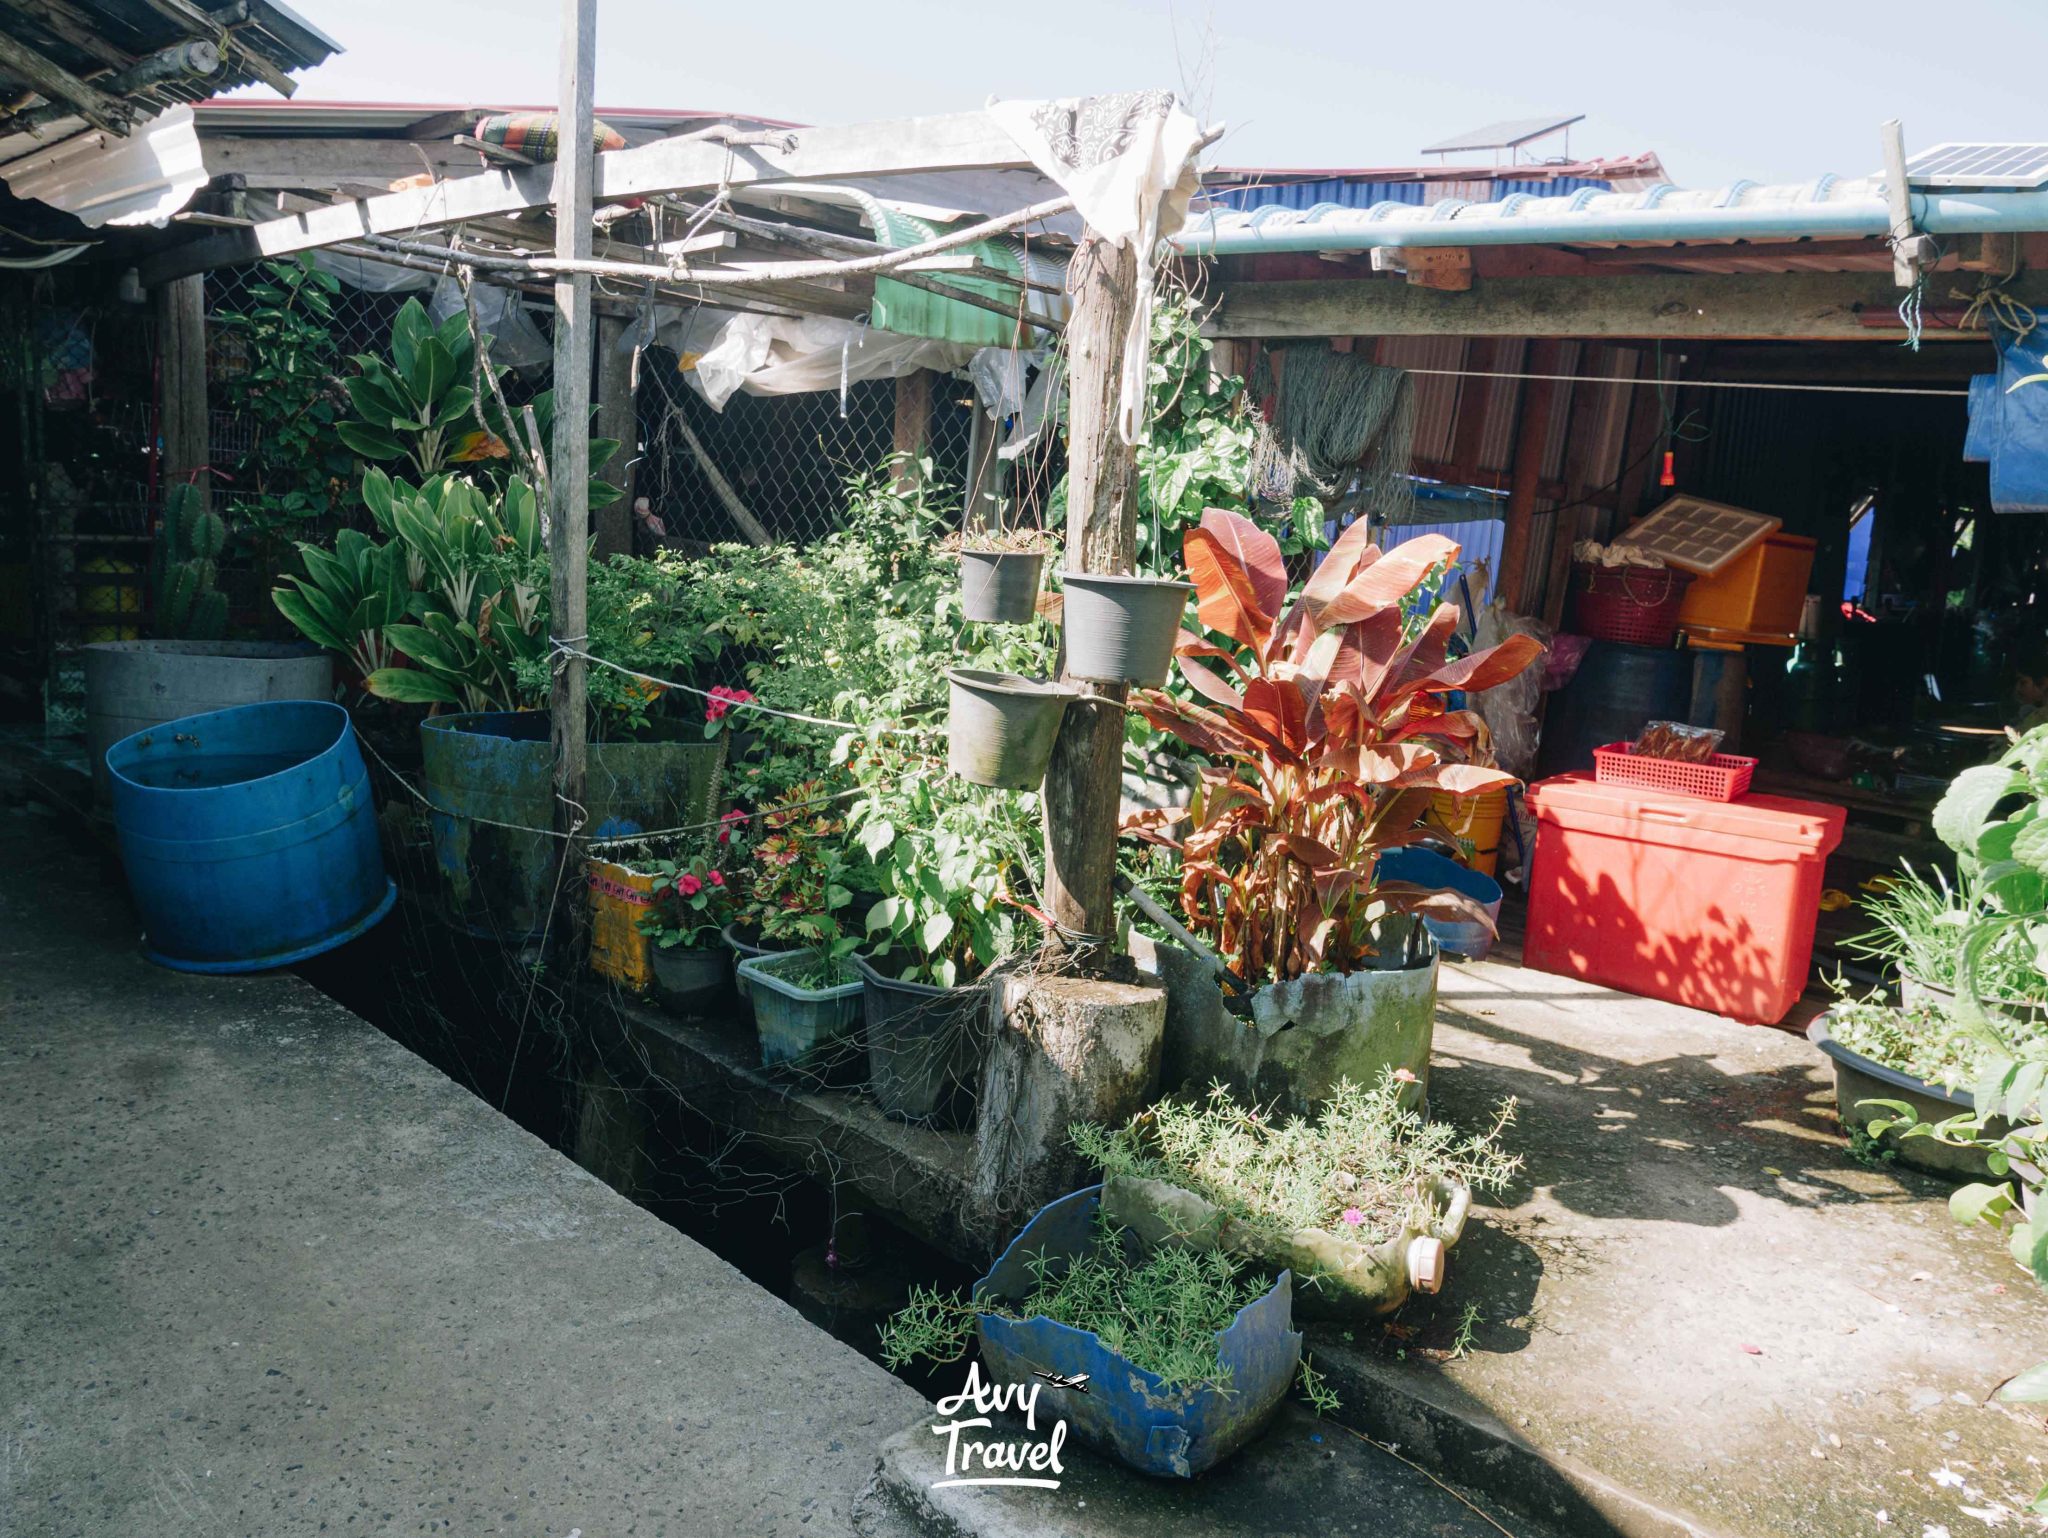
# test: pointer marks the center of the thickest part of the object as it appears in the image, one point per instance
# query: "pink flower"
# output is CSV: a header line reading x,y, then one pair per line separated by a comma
x,y
688,885
1354,1216
1403,1076
728,823
723,700
718,878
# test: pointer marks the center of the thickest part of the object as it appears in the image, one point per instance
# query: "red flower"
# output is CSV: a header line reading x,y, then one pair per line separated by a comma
x,y
688,885
728,822
723,699
718,878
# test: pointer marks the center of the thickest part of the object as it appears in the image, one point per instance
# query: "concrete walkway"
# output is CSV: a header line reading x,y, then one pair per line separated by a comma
x,y
263,1271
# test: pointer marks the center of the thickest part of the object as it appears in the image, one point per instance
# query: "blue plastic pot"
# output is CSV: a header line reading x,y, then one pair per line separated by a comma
x,y
1461,937
1171,1432
249,836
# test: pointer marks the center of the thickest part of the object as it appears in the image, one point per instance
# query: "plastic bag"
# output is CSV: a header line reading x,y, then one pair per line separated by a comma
x,y
1676,741
1509,709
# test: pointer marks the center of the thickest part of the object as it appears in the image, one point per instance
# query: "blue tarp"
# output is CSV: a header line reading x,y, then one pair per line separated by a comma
x,y
2009,422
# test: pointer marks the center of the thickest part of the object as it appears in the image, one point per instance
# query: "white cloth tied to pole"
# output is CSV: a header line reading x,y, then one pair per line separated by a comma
x,y
1128,162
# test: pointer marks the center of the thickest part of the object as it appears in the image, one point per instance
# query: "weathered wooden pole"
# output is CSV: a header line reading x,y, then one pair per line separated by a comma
x,y
616,418
569,454
181,360
1083,783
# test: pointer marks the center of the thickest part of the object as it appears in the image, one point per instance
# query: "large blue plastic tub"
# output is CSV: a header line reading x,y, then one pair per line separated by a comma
x,y
249,835
1170,1432
1461,937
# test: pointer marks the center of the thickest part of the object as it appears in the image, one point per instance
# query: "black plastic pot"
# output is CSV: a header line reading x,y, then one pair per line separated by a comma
x,y
1000,586
1859,1078
1913,992
689,982
746,945
925,1048
1000,727
1122,629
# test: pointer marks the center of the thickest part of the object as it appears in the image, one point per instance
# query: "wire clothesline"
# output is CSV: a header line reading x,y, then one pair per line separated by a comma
x,y
562,648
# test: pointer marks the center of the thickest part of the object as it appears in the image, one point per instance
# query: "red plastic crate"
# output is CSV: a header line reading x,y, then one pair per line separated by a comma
x,y
1722,777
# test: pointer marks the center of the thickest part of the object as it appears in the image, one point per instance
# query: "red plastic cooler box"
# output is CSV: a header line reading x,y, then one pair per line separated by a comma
x,y
1668,896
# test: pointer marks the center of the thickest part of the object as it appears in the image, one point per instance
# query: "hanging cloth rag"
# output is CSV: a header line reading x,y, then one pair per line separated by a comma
x,y
1128,162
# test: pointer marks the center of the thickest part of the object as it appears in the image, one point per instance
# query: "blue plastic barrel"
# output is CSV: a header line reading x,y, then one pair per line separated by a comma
x,y
1425,868
249,835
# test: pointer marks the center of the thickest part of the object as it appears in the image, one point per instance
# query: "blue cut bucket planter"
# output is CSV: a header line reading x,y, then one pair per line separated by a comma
x,y
249,836
1171,1432
1461,937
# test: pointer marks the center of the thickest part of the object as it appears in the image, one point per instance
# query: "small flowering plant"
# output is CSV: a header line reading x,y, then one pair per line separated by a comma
x,y
693,901
719,706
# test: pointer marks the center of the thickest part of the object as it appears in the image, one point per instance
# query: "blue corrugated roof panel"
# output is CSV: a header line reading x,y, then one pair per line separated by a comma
x,y
1350,192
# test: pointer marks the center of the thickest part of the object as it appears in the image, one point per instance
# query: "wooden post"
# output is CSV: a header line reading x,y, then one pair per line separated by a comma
x,y
1083,783
181,355
616,418
569,455
1525,474
913,415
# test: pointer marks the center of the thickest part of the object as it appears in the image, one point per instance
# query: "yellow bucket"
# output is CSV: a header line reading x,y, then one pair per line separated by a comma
x,y
1477,819
619,899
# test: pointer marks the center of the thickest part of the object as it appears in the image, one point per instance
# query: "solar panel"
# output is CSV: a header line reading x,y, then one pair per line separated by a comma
x,y
1979,165
1509,134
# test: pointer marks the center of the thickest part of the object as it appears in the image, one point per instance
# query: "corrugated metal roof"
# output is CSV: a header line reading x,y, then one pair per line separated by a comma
x,y
1349,192
1827,207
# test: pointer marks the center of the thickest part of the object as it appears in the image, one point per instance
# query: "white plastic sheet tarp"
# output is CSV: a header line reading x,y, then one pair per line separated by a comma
x,y
788,355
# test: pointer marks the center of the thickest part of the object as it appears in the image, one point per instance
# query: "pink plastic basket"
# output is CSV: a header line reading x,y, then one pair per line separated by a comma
x,y
1721,778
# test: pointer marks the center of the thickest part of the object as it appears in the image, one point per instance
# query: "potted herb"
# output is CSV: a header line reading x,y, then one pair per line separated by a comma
x,y
999,572
1328,734
1361,1203
692,903
796,886
1920,924
803,1000
1000,727
1186,1354
940,856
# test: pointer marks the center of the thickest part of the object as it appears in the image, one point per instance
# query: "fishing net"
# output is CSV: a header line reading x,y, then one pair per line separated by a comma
x,y
1340,431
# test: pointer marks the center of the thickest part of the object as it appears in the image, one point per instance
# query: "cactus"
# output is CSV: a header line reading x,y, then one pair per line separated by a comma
x,y
184,566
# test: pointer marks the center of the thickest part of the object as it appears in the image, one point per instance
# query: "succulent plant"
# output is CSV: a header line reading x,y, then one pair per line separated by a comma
x,y
184,567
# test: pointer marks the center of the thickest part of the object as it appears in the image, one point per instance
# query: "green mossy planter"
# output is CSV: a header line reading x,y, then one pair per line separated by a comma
x,y
490,778
793,1019
689,982
1303,1036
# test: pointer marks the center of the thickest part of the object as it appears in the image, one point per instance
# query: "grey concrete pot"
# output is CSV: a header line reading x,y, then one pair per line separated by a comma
x,y
1122,629
1000,587
1303,1036
1000,727
131,686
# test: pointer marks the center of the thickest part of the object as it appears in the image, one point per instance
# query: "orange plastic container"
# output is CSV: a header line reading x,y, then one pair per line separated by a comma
x,y
1761,590
1705,903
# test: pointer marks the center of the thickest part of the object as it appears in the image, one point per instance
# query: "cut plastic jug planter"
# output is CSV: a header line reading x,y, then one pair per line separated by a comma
x,y
1000,587
1303,1036
1859,1078
793,1019
249,836
1170,1432
691,981
489,777
926,1046
1122,629
132,685
1000,727
1338,1275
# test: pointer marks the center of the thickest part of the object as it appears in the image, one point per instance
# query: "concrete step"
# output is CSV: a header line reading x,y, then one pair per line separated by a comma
x,y
1304,1478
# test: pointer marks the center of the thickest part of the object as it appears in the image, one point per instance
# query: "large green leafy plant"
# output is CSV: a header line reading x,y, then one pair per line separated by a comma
x,y
295,465
1995,817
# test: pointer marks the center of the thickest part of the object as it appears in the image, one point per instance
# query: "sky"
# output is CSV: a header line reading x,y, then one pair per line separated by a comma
x,y
1772,90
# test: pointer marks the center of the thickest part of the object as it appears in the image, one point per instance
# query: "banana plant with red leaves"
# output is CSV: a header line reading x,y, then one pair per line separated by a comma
x,y
1327,732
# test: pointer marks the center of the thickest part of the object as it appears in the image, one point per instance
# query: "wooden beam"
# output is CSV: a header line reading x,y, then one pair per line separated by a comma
x,y
1083,791
320,165
569,458
58,84
965,141
1821,306
181,373
616,418
913,422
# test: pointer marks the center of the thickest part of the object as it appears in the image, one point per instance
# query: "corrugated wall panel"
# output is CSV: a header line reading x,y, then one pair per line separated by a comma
x,y
1436,396
1560,428
1502,403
